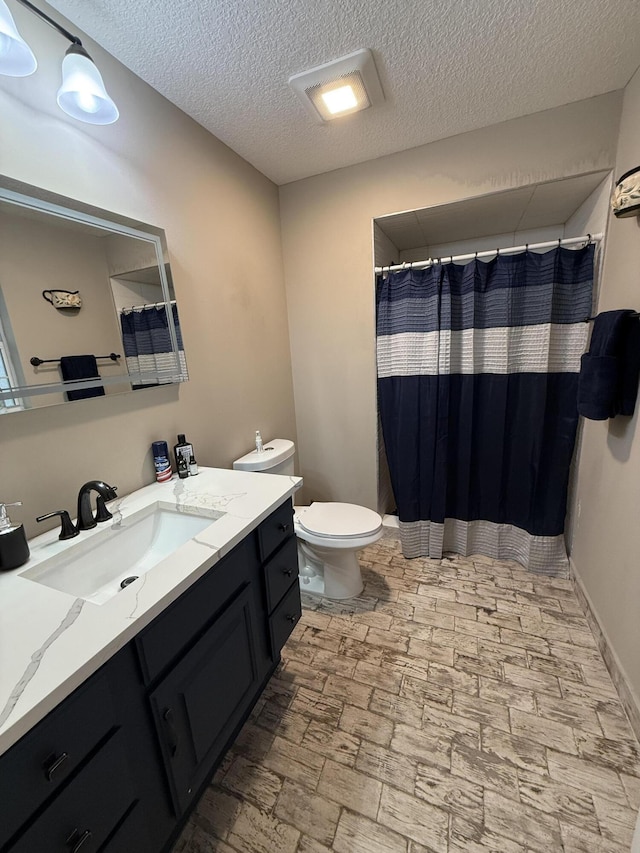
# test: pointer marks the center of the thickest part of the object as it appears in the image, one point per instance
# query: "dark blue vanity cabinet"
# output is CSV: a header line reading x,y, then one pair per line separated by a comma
x,y
120,763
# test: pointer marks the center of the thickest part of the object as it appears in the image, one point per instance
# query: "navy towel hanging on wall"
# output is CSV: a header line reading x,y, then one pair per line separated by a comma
x,y
608,383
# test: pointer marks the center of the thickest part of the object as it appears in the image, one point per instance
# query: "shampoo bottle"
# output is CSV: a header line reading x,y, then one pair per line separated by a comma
x,y
182,448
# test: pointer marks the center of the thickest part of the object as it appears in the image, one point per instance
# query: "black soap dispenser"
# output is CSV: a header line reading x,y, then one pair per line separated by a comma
x,y
14,548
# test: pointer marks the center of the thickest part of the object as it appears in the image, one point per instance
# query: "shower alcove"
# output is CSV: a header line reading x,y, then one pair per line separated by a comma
x,y
536,213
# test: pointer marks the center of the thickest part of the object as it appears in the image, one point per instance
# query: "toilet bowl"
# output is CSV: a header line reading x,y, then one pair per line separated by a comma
x,y
329,538
329,534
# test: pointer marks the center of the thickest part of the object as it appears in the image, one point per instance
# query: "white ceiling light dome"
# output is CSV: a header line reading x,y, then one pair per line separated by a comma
x,y
339,88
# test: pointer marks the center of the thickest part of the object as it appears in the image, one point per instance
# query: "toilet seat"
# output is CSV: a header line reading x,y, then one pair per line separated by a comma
x,y
340,521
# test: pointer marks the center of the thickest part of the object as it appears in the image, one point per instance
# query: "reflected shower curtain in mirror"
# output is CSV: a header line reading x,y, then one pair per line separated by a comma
x,y
147,343
477,382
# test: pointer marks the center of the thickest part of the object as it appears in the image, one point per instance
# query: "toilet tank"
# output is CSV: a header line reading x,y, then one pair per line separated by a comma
x,y
276,458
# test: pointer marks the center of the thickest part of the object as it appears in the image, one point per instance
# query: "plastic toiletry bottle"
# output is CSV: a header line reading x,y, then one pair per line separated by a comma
x,y
183,467
259,447
14,548
193,466
161,461
182,448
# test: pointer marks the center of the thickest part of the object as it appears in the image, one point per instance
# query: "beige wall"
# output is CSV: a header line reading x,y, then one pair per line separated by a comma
x,y
222,224
606,548
327,245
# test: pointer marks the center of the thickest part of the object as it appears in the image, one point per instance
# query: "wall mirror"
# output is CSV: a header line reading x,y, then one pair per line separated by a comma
x,y
87,305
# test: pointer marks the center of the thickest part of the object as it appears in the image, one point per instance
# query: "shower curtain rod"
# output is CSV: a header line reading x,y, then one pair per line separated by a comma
x,y
147,305
510,250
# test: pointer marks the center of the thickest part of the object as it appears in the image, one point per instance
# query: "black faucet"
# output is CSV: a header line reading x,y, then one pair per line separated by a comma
x,y
86,519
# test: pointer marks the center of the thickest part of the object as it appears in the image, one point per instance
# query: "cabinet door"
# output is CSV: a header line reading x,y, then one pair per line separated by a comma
x,y
201,701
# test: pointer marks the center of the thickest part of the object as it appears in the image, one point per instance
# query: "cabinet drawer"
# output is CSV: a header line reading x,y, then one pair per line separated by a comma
x,y
171,633
280,572
275,529
131,835
284,619
33,769
84,814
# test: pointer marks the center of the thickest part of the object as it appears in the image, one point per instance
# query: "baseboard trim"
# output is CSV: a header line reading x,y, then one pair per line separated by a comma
x,y
628,697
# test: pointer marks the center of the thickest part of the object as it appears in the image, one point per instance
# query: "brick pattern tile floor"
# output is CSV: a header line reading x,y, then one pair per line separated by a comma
x,y
456,706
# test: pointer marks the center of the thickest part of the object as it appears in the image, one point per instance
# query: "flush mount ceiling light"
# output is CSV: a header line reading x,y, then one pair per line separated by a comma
x,y
82,94
339,88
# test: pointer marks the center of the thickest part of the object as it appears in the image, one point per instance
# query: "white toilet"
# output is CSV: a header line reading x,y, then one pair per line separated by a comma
x,y
329,534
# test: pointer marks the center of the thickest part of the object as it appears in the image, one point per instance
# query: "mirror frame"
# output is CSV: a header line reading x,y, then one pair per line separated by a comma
x,y
38,199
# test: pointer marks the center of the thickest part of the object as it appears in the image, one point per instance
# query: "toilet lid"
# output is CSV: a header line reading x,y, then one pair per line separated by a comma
x,y
338,520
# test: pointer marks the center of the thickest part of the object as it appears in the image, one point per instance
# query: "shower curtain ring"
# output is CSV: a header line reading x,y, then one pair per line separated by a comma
x,y
589,240
559,241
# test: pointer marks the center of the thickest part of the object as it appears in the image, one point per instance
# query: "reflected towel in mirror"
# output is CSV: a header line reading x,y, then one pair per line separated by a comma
x,y
75,367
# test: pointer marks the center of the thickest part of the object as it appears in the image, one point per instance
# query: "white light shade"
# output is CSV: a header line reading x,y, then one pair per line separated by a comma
x,y
16,57
82,94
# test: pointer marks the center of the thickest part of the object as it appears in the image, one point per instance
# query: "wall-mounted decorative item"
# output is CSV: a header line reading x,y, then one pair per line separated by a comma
x,y
63,298
625,200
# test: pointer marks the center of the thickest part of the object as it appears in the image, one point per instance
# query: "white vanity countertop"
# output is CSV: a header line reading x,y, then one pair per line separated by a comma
x,y
50,642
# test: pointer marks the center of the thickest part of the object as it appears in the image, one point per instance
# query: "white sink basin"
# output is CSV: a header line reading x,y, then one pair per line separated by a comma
x,y
95,567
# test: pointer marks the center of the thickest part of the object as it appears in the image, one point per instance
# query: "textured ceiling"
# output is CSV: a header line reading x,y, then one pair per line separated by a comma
x,y
446,67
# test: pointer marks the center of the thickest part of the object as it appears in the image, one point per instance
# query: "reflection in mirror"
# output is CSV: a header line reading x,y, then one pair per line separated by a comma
x,y
87,305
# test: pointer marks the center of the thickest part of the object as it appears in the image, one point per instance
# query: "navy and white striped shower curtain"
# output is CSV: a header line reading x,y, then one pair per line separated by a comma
x,y
147,343
477,380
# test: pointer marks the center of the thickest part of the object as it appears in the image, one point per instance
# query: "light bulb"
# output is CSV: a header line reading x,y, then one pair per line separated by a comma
x,y
87,102
339,100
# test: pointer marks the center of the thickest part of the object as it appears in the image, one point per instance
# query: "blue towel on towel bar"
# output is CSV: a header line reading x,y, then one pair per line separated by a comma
x,y
75,367
608,382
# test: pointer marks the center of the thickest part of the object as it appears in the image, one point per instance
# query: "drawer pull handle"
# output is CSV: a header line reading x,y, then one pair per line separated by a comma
x,y
284,526
174,739
293,619
56,763
287,572
79,839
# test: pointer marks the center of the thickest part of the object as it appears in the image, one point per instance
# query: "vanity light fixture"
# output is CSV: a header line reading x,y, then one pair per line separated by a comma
x,y
82,94
339,88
